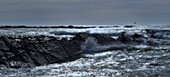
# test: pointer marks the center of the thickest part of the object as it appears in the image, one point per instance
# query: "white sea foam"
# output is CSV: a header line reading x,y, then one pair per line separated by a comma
x,y
91,46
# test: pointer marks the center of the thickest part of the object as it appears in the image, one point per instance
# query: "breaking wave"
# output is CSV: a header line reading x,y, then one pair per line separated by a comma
x,y
91,46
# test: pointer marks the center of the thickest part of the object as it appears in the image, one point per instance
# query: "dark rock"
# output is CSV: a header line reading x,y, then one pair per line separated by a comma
x,y
70,26
38,58
153,36
101,38
55,50
17,64
128,26
156,30
9,55
2,56
3,46
137,36
151,43
115,26
28,60
31,51
123,39
1,53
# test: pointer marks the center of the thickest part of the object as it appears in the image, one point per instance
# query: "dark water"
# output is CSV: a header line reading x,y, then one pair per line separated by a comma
x,y
134,61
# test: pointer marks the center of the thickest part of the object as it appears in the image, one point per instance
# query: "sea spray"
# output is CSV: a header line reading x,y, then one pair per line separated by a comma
x,y
91,46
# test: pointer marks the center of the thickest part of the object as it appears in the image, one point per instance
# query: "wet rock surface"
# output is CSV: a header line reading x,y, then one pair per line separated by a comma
x,y
17,52
36,50
31,51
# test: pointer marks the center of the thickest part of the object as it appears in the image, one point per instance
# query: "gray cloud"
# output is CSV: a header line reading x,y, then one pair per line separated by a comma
x,y
84,12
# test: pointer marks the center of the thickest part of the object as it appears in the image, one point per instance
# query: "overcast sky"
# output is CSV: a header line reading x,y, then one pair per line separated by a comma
x,y
84,12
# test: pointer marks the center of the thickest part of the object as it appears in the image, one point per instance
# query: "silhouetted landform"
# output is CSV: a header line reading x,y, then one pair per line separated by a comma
x,y
153,31
63,33
107,26
74,33
31,51
41,50
129,26
70,26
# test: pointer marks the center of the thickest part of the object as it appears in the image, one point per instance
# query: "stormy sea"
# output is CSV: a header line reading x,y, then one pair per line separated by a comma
x,y
132,51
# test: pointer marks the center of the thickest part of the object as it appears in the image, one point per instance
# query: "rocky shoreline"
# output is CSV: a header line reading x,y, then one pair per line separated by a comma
x,y
41,50
31,51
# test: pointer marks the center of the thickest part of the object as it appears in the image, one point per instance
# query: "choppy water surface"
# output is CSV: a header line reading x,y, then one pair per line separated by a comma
x,y
111,63
140,60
